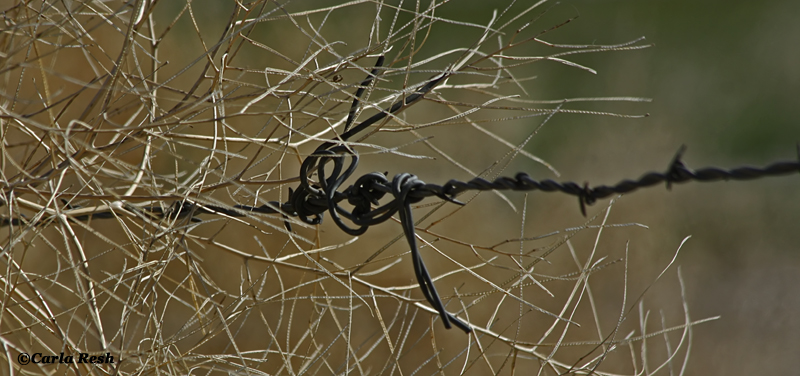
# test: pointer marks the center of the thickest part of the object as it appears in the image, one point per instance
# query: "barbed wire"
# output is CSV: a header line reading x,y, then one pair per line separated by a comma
x,y
310,201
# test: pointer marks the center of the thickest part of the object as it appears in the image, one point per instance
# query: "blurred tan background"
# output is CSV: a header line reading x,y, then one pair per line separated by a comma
x,y
724,80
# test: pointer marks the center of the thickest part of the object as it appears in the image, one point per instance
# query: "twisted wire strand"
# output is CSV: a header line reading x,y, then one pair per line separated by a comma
x,y
371,187
309,202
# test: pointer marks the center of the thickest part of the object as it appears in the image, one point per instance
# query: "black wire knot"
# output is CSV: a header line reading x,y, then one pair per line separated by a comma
x,y
406,189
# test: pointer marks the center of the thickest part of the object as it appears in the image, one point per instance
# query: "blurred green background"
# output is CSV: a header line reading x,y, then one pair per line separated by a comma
x,y
725,80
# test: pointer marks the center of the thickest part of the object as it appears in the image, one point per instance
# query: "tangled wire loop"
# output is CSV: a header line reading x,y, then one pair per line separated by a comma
x,y
406,189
